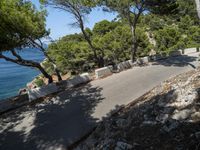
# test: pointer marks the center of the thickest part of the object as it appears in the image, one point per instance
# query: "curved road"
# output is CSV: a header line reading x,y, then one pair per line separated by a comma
x,y
58,122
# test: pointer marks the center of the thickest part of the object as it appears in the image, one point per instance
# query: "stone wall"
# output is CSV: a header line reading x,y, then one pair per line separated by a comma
x,y
42,91
81,79
13,102
190,50
175,53
124,65
103,72
53,88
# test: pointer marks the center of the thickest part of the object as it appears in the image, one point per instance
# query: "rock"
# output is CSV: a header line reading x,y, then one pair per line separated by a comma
x,y
170,125
149,122
22,91
197,134
195,116
162,118
168,110
31,85
121,123
182,115
123,146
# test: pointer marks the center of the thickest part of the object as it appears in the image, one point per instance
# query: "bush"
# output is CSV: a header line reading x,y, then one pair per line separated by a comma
x,y
39,82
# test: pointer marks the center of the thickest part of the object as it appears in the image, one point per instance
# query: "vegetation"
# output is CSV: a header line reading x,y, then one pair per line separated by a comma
x,y
162,34
39,82
79,9
139,29
23,26
131,10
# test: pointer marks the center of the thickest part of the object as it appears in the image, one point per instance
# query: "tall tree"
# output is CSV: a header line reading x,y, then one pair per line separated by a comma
x,y
79,9
198,7
38,44
131,10
21,24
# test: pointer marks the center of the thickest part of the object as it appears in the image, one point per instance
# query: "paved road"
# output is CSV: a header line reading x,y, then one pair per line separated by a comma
x,y
56,123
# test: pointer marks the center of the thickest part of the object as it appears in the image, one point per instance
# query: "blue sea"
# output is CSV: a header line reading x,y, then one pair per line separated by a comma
x,y
13,76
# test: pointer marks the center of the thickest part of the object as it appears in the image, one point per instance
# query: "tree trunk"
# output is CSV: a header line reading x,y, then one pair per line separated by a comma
x,y
46,75
57,71
134,43
198,7
99,60
28,63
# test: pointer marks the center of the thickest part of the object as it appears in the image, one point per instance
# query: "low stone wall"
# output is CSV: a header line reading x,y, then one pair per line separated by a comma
x,y
190,50
103,72
13,102
42,91
175,53
143,60
124,65
157,57
56,87
81,79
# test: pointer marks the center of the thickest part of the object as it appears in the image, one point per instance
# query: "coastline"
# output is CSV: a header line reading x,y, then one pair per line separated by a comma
x,y
14,77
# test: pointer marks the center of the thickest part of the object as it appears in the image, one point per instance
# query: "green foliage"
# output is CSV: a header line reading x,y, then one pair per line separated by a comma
x,y
115,44
187,7
166,38
20,21
112,39
104,26
71,55
144,46
193,36
39,82
185,23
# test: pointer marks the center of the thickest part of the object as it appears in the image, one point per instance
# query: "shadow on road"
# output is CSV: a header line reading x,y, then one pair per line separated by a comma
x,y
178,61
53,124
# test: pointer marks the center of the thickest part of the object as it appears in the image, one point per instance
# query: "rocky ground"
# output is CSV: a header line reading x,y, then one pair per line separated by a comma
x,y
166,118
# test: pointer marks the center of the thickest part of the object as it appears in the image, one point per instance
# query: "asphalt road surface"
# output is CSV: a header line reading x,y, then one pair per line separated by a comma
x,y
55,124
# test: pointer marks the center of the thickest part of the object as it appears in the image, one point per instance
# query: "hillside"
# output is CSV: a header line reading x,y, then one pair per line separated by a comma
x,y
165,118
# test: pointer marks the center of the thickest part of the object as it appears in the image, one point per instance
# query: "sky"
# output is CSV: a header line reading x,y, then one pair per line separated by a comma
x,y
59,21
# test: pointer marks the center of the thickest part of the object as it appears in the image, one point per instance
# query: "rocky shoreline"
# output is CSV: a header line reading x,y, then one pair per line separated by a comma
x,y
167,118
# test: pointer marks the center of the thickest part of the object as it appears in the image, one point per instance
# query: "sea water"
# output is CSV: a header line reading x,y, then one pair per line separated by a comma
x,y
13,76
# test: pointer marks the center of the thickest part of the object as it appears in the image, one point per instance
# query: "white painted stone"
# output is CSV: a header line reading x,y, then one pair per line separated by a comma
x,y
103,72
80,79
145,59
124,65
52,88
42,91
190,50
131,63
120,67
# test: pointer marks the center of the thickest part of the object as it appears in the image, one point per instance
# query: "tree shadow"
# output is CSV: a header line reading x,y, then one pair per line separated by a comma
x,y
52,124
178,61
149,123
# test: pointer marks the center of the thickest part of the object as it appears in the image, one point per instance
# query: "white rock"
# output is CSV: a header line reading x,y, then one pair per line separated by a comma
x,y
181,115
123,146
